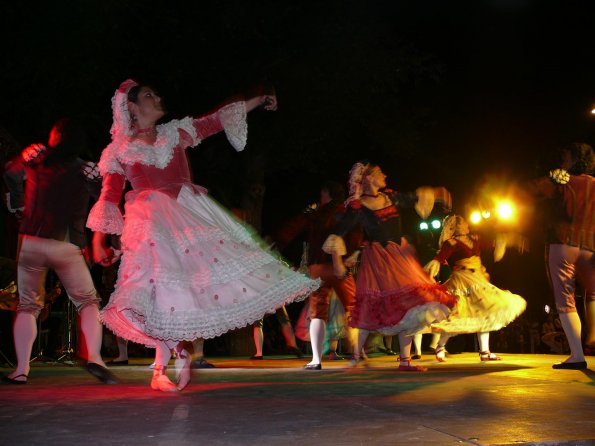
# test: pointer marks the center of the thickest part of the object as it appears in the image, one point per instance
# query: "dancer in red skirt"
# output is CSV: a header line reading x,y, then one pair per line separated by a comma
x,y
394,295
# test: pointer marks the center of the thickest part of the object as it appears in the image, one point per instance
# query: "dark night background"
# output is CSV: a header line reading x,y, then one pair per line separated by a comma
x,y
442,93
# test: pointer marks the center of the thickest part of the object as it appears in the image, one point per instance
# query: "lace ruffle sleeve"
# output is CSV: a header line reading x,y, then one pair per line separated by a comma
x,y
230,118
105,216
235,125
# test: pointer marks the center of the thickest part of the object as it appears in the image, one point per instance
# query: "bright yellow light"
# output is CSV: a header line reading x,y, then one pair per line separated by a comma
x,y
475,217
486,214
505,210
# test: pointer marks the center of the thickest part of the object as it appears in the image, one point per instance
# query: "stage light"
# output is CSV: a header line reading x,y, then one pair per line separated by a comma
x,y
475,217
423,226
436,224
505,210
547,309
486,214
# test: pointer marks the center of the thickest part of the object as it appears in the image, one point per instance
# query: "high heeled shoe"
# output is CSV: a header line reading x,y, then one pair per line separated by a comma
x,y
160,381
183,365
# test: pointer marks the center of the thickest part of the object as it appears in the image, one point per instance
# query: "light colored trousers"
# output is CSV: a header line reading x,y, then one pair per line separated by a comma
x,y
567,265
36,256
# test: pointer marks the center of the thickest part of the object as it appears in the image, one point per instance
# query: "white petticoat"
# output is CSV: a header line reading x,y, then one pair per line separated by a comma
x,y
481,306
190,270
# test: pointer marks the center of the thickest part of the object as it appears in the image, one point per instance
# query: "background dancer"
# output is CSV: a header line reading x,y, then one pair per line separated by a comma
x,y
394,295
286,331
189,269
481,307
318,223
53,185
571,243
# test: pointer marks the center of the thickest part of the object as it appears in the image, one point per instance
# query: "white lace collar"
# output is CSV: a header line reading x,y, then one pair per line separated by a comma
x,y
124,151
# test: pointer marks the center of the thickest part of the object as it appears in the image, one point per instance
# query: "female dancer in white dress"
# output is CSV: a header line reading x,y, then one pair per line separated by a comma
x,y
189,269
481,307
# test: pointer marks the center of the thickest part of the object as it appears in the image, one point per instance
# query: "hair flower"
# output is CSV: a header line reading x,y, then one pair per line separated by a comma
x,y
560,176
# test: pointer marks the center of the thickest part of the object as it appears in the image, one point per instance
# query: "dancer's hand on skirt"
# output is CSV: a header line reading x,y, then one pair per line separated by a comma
x,y
432,268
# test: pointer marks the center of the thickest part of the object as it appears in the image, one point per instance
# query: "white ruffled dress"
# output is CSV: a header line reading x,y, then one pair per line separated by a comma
x,y
481,306
189,269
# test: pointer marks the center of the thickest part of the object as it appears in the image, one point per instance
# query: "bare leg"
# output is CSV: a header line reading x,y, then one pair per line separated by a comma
x,y
362,336
122,349
258,339
288,334
25,331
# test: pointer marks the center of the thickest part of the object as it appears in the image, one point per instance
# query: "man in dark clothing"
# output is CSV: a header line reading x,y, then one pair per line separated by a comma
x,y
318,223
50,187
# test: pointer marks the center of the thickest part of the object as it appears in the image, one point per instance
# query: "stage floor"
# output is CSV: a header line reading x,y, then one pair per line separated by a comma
x,y
519,400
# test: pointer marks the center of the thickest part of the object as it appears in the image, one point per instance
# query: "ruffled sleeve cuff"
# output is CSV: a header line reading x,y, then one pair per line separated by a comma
x,y
425,201
235,125
105,217
334,245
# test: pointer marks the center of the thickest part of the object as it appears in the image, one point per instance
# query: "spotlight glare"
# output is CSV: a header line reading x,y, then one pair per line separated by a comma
x,y
486,214
475,217
436,224
505,211
423,226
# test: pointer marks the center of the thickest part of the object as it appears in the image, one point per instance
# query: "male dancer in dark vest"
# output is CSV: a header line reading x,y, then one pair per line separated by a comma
x,y
49,186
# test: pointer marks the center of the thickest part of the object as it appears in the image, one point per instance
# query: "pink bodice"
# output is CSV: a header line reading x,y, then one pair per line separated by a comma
x,y
168,180
161,166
